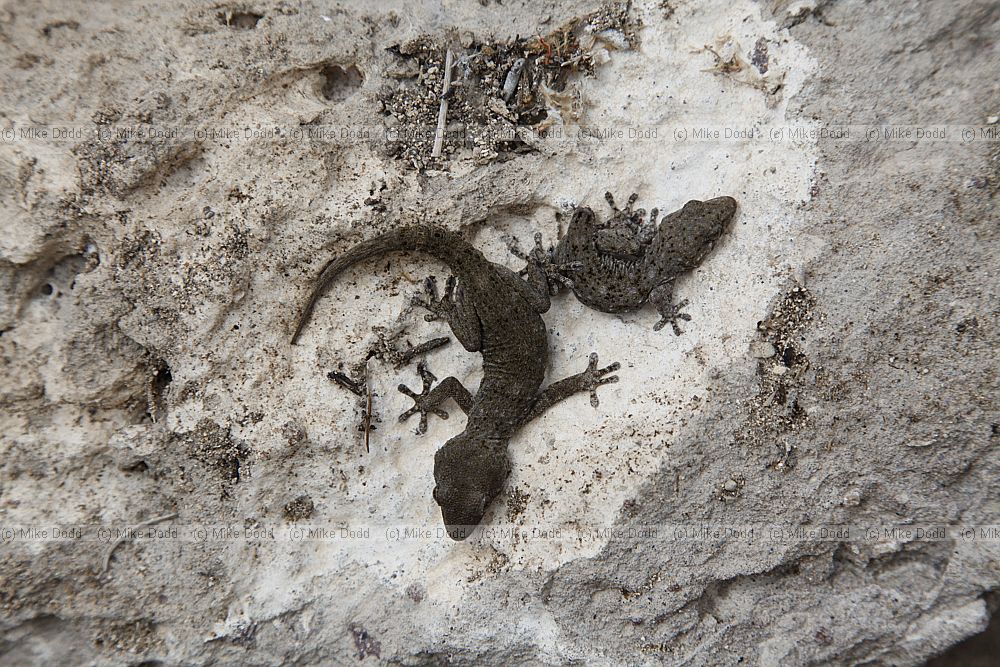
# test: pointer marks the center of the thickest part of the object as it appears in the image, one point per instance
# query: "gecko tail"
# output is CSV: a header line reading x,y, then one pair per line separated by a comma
x,y
430,239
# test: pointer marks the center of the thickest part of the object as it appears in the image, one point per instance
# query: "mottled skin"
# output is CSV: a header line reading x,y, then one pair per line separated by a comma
x,y
618,266
492,311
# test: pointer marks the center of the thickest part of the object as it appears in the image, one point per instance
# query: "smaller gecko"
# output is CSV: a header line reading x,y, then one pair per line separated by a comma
x,y
617,266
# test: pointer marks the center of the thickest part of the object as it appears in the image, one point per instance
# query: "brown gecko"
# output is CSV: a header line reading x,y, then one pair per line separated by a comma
x,y
490,310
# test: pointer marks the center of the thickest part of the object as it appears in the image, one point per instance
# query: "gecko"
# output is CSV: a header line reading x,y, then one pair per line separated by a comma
x,y
491,310
617,266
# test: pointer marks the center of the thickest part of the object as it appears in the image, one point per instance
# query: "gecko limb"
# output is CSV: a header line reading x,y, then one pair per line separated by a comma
x,y
662,297
589,380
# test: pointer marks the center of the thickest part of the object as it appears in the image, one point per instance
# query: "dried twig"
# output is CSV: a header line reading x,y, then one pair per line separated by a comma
x,y
443,109
131,531
368,416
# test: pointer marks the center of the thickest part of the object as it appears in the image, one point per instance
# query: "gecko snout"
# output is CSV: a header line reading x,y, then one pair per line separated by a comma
x,y
462,508
469,474
725,208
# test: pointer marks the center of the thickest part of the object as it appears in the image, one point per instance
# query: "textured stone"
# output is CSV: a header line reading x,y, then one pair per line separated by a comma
x,y
148,288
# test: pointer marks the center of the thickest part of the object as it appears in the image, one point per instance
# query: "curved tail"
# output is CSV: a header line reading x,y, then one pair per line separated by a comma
x,y
441,243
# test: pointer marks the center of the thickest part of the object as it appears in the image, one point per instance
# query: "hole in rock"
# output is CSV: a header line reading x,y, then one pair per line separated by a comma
x,y
338,83
240,20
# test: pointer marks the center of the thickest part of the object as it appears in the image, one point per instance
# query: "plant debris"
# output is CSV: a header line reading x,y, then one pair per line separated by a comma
x,y
781,367
498,89
730,63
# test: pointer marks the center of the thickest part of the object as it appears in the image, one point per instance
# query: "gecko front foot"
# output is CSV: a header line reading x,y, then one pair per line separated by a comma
x,y
430,398
425,402
669,314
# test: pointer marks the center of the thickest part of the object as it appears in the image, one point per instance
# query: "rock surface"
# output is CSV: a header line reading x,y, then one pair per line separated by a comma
x,y
749,493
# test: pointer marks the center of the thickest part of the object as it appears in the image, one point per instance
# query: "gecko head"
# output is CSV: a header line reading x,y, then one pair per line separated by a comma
x,y
468,473
699,224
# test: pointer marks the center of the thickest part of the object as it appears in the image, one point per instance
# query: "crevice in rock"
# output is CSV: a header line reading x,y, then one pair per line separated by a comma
x,y
240,20
338,82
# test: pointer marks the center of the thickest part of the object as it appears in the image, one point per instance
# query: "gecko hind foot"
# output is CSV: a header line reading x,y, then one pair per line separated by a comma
x,y
610,198
669,314
544,259
594,377
440,308
643,228
425,402
589,380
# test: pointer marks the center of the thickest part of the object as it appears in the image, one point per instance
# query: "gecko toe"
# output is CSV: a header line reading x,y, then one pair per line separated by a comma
x,y
430,287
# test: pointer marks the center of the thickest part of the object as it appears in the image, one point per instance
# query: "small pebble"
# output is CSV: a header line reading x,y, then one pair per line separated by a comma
x,y
762,349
